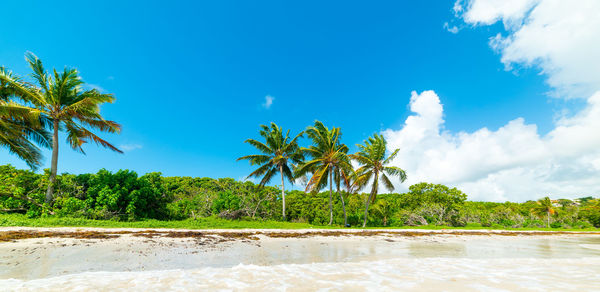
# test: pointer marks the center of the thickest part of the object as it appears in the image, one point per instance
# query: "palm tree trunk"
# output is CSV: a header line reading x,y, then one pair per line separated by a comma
x,y
343,205
548,215
330,195
54,164
282,192
367,209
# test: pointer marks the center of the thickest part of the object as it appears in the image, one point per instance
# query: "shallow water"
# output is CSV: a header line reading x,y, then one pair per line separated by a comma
x,y
354,264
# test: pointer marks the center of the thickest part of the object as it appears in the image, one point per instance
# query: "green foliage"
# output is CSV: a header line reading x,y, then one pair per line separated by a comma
x,y
422,194
226,201
22,128
124,196
591,213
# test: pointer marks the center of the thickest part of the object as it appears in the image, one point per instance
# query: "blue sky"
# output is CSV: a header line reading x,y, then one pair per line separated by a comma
x,y
191,78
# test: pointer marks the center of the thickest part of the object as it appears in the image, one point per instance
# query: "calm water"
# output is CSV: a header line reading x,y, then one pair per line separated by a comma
x,y
452,264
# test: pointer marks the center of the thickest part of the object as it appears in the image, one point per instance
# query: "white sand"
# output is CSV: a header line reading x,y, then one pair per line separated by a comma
x,y
388,260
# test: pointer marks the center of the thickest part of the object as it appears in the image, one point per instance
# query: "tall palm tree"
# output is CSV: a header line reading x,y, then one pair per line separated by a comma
x,y
343,176
61,98
545,207
21,127
328,156
374,168
279,154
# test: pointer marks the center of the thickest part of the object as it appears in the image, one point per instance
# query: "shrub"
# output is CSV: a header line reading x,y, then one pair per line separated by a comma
x,y
556,224
457,220
69,207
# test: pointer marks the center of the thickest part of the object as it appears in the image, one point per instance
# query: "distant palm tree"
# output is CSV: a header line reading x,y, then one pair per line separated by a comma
x,y
328,157
280,154
374,168
61,99
384,208
545,208
21,127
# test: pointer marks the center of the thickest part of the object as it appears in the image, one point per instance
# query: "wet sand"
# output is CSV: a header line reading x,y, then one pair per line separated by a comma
x,y
96,258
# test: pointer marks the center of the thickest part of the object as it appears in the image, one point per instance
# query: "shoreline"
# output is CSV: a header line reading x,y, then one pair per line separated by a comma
x,y
34,253
13,233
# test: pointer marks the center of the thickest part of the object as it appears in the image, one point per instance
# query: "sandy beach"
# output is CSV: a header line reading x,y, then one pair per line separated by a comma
x,y
108,259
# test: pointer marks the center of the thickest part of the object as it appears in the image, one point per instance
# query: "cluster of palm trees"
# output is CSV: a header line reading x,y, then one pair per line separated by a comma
x,y
32,114
326,161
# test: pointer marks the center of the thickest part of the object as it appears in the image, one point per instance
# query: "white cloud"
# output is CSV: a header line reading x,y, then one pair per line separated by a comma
x,y
452,29
513,162
560,37
130,147
268,101
487,12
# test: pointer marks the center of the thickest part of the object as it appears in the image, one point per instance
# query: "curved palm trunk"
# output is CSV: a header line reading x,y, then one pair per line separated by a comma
x,y
282,193
343,205
54,165
367,209
330,195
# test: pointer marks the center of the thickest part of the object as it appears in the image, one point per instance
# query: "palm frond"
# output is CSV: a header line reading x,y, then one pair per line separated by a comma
x,y
256,159
395,171
387,183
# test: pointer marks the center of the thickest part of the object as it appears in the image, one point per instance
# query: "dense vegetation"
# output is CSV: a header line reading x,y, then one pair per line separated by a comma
x,y
125,196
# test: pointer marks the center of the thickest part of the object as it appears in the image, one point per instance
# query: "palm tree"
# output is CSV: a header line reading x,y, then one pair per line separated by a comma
x,y
385,210
545,208
21,127
60,98
329,157
279,154
341,175
374,168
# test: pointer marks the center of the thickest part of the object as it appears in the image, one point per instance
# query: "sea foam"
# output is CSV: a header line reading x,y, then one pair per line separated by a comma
x,y
439,274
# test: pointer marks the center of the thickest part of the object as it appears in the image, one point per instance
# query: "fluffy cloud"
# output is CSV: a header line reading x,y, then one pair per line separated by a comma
x,y
268,102
513,162
561,37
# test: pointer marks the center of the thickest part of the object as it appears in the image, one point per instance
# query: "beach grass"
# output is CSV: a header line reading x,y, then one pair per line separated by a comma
x,y
19,220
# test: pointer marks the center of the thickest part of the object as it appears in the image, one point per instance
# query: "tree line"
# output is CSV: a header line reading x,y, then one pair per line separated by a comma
x,y
124,195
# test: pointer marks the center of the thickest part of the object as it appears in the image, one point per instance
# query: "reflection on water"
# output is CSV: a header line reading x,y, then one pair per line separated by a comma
x,y
518,248
430,250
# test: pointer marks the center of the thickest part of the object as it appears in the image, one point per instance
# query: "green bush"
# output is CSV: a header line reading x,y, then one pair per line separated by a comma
x,y
556,224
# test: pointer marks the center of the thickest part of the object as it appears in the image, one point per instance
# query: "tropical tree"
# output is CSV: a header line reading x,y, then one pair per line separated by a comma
x,y
374,168
21,127
343,176
544,207
61,99
328,158
280,154
384,209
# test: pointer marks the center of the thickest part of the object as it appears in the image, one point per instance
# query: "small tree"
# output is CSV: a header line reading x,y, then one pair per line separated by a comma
x,y
545,208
